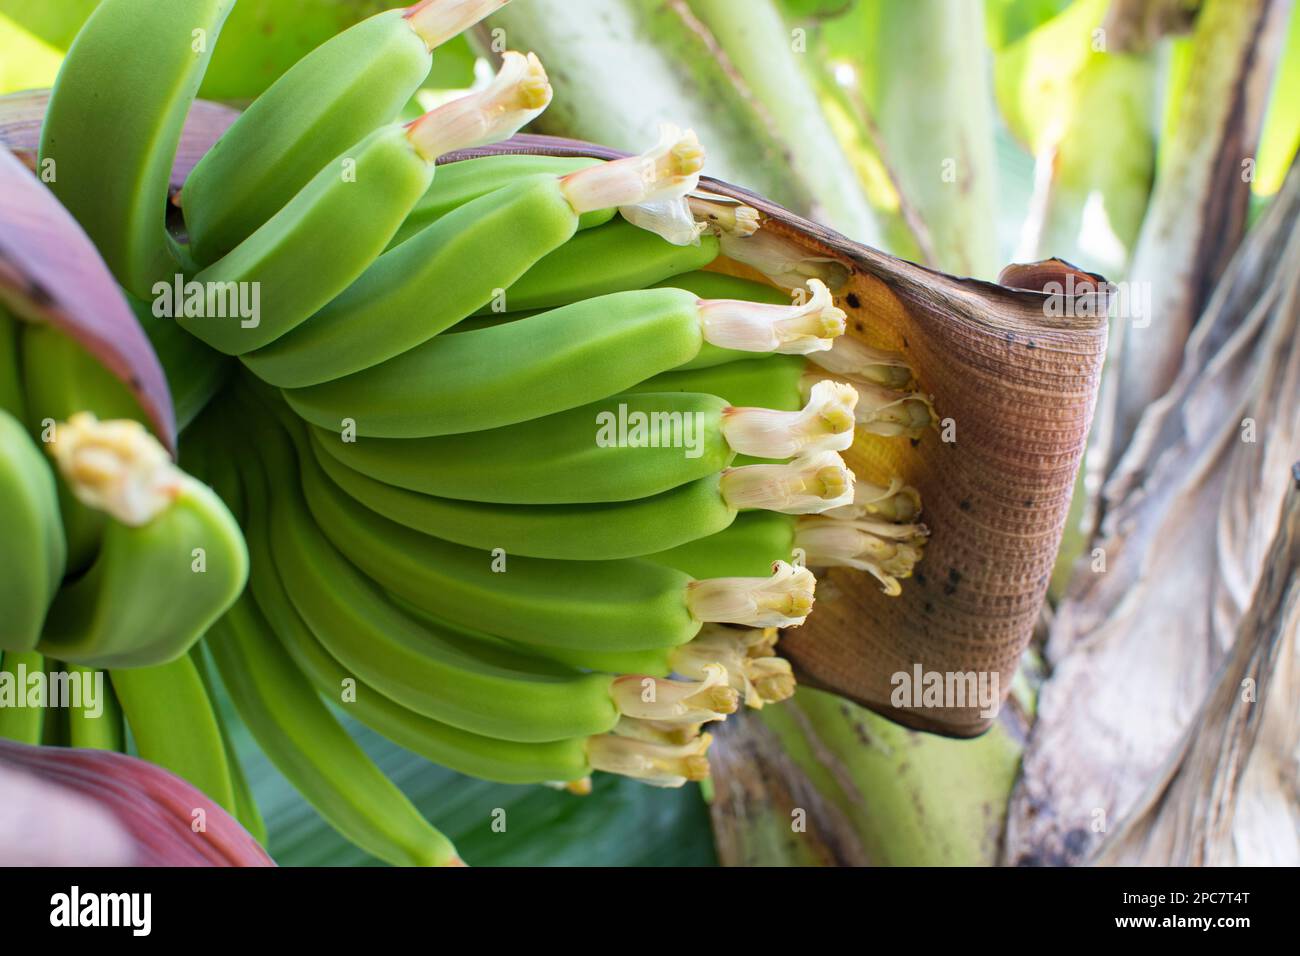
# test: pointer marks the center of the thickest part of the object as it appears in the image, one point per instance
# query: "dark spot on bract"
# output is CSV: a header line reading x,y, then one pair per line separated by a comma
x,y
859,325
39,295
949,590
1031,344
920,578
965,504
1029,502
853,300
954,575
929,608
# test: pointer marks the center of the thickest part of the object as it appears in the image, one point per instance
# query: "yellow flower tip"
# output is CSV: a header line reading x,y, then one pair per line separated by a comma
x,y
580,787
773,681
116,467
720,699
836,482
696,768
658,180
686,156
516,96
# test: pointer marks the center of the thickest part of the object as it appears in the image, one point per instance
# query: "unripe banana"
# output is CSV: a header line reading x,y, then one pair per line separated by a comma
x,y
102,731
246,809
174,725
773,381
34,553
295,263
611,605
60,379
551,362
486,757
622,448
596,532
616,257
442,274
313,750
24,724
462,182
107,147
11,376
745,549
171,560
328,101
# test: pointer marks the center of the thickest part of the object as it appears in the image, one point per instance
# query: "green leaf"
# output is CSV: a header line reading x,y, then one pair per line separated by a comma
x,y
621,823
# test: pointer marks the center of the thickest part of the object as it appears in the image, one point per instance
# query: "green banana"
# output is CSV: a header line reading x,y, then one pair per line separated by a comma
x,y
457,264
719,285
607,605
11,375
114,122
174,725
104,731
330,100
626,447
60,379
557,459
591,532
170,562
616,257
34,550
18,721
550,362
461,182
486,757
293,264
745,549
313,750
246,810
769,382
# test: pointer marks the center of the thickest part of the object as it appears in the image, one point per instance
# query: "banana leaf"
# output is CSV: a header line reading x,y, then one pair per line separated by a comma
x,y
1151,615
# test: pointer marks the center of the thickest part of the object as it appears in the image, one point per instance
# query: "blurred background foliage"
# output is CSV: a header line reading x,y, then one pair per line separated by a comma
x,y
957,133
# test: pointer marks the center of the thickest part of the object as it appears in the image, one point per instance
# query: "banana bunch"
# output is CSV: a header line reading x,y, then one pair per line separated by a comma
x,y
529,477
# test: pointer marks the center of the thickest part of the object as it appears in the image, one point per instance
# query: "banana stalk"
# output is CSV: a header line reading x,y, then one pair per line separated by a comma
x,y
599,48
936,136
820,781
